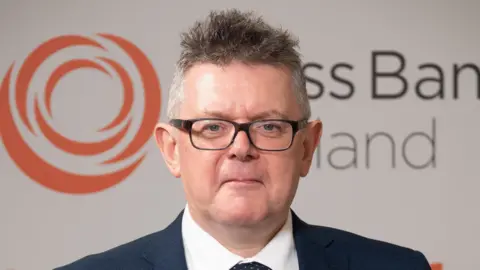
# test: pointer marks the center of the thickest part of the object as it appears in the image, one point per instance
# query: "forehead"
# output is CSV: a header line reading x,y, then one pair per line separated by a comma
x,y
239,91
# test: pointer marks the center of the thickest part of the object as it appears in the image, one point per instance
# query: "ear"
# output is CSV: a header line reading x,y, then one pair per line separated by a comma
x,y
167,143
313,133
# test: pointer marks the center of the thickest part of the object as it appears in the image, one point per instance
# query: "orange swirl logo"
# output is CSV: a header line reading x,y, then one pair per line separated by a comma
x,y
14,115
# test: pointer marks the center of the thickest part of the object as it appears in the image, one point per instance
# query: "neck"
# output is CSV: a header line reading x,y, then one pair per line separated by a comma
x,y
244,241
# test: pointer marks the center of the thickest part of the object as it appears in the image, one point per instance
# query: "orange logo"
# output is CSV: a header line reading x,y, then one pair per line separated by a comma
x,y
14,97
436,266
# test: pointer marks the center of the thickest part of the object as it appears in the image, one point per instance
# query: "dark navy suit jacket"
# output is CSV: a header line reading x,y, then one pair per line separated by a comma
x,y
318,248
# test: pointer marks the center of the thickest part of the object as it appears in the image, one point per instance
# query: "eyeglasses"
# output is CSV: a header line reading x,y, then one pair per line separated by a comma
x,y
218,134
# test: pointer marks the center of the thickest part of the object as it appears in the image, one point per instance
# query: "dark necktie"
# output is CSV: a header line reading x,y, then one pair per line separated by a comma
x,y
250,266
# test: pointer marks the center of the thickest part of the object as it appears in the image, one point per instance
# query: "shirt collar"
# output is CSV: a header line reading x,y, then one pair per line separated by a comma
x,y
203,251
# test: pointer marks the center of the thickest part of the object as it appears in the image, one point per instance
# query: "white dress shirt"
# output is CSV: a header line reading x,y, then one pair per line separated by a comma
x,y
203,252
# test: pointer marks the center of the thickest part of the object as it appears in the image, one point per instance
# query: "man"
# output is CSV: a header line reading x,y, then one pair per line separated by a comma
x,y
240,139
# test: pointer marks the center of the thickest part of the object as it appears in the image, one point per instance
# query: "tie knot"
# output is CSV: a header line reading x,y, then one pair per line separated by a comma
x,y
250,266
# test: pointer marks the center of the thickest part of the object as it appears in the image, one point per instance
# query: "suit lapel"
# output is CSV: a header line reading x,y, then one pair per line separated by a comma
x,y
165,251
316,249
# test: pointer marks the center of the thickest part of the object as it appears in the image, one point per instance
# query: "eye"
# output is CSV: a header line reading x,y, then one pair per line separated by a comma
x,y
269,127
213,127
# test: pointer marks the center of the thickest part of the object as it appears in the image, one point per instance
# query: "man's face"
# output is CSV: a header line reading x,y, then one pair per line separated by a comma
x,y
240,185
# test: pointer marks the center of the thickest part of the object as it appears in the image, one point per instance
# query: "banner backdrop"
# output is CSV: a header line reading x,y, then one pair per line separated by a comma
x,y
397,86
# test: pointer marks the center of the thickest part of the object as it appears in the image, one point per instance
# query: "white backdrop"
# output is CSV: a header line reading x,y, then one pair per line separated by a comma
x,y
346,46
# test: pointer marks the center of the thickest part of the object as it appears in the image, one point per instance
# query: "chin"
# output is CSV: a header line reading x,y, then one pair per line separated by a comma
x,y
241,214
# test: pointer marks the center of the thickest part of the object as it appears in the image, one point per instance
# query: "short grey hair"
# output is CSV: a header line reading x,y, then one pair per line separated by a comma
x,y
232,35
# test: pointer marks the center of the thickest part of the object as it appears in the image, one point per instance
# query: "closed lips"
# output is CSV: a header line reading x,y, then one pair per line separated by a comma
x,y
244,180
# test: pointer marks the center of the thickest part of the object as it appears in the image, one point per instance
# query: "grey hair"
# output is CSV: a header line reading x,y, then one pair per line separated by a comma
x,y
231,35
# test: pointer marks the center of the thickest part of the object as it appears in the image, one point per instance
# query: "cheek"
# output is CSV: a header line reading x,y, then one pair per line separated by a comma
x,y
283,170
198,168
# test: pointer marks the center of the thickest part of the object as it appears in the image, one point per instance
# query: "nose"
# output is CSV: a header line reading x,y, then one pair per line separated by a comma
x,y
242,149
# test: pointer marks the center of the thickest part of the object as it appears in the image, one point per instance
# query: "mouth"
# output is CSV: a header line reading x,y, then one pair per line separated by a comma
x,y
245,181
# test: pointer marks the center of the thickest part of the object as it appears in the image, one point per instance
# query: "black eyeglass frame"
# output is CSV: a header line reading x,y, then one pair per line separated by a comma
x,y
186,125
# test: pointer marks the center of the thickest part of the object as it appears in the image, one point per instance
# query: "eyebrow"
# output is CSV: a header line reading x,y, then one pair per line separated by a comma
x,y
261,115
